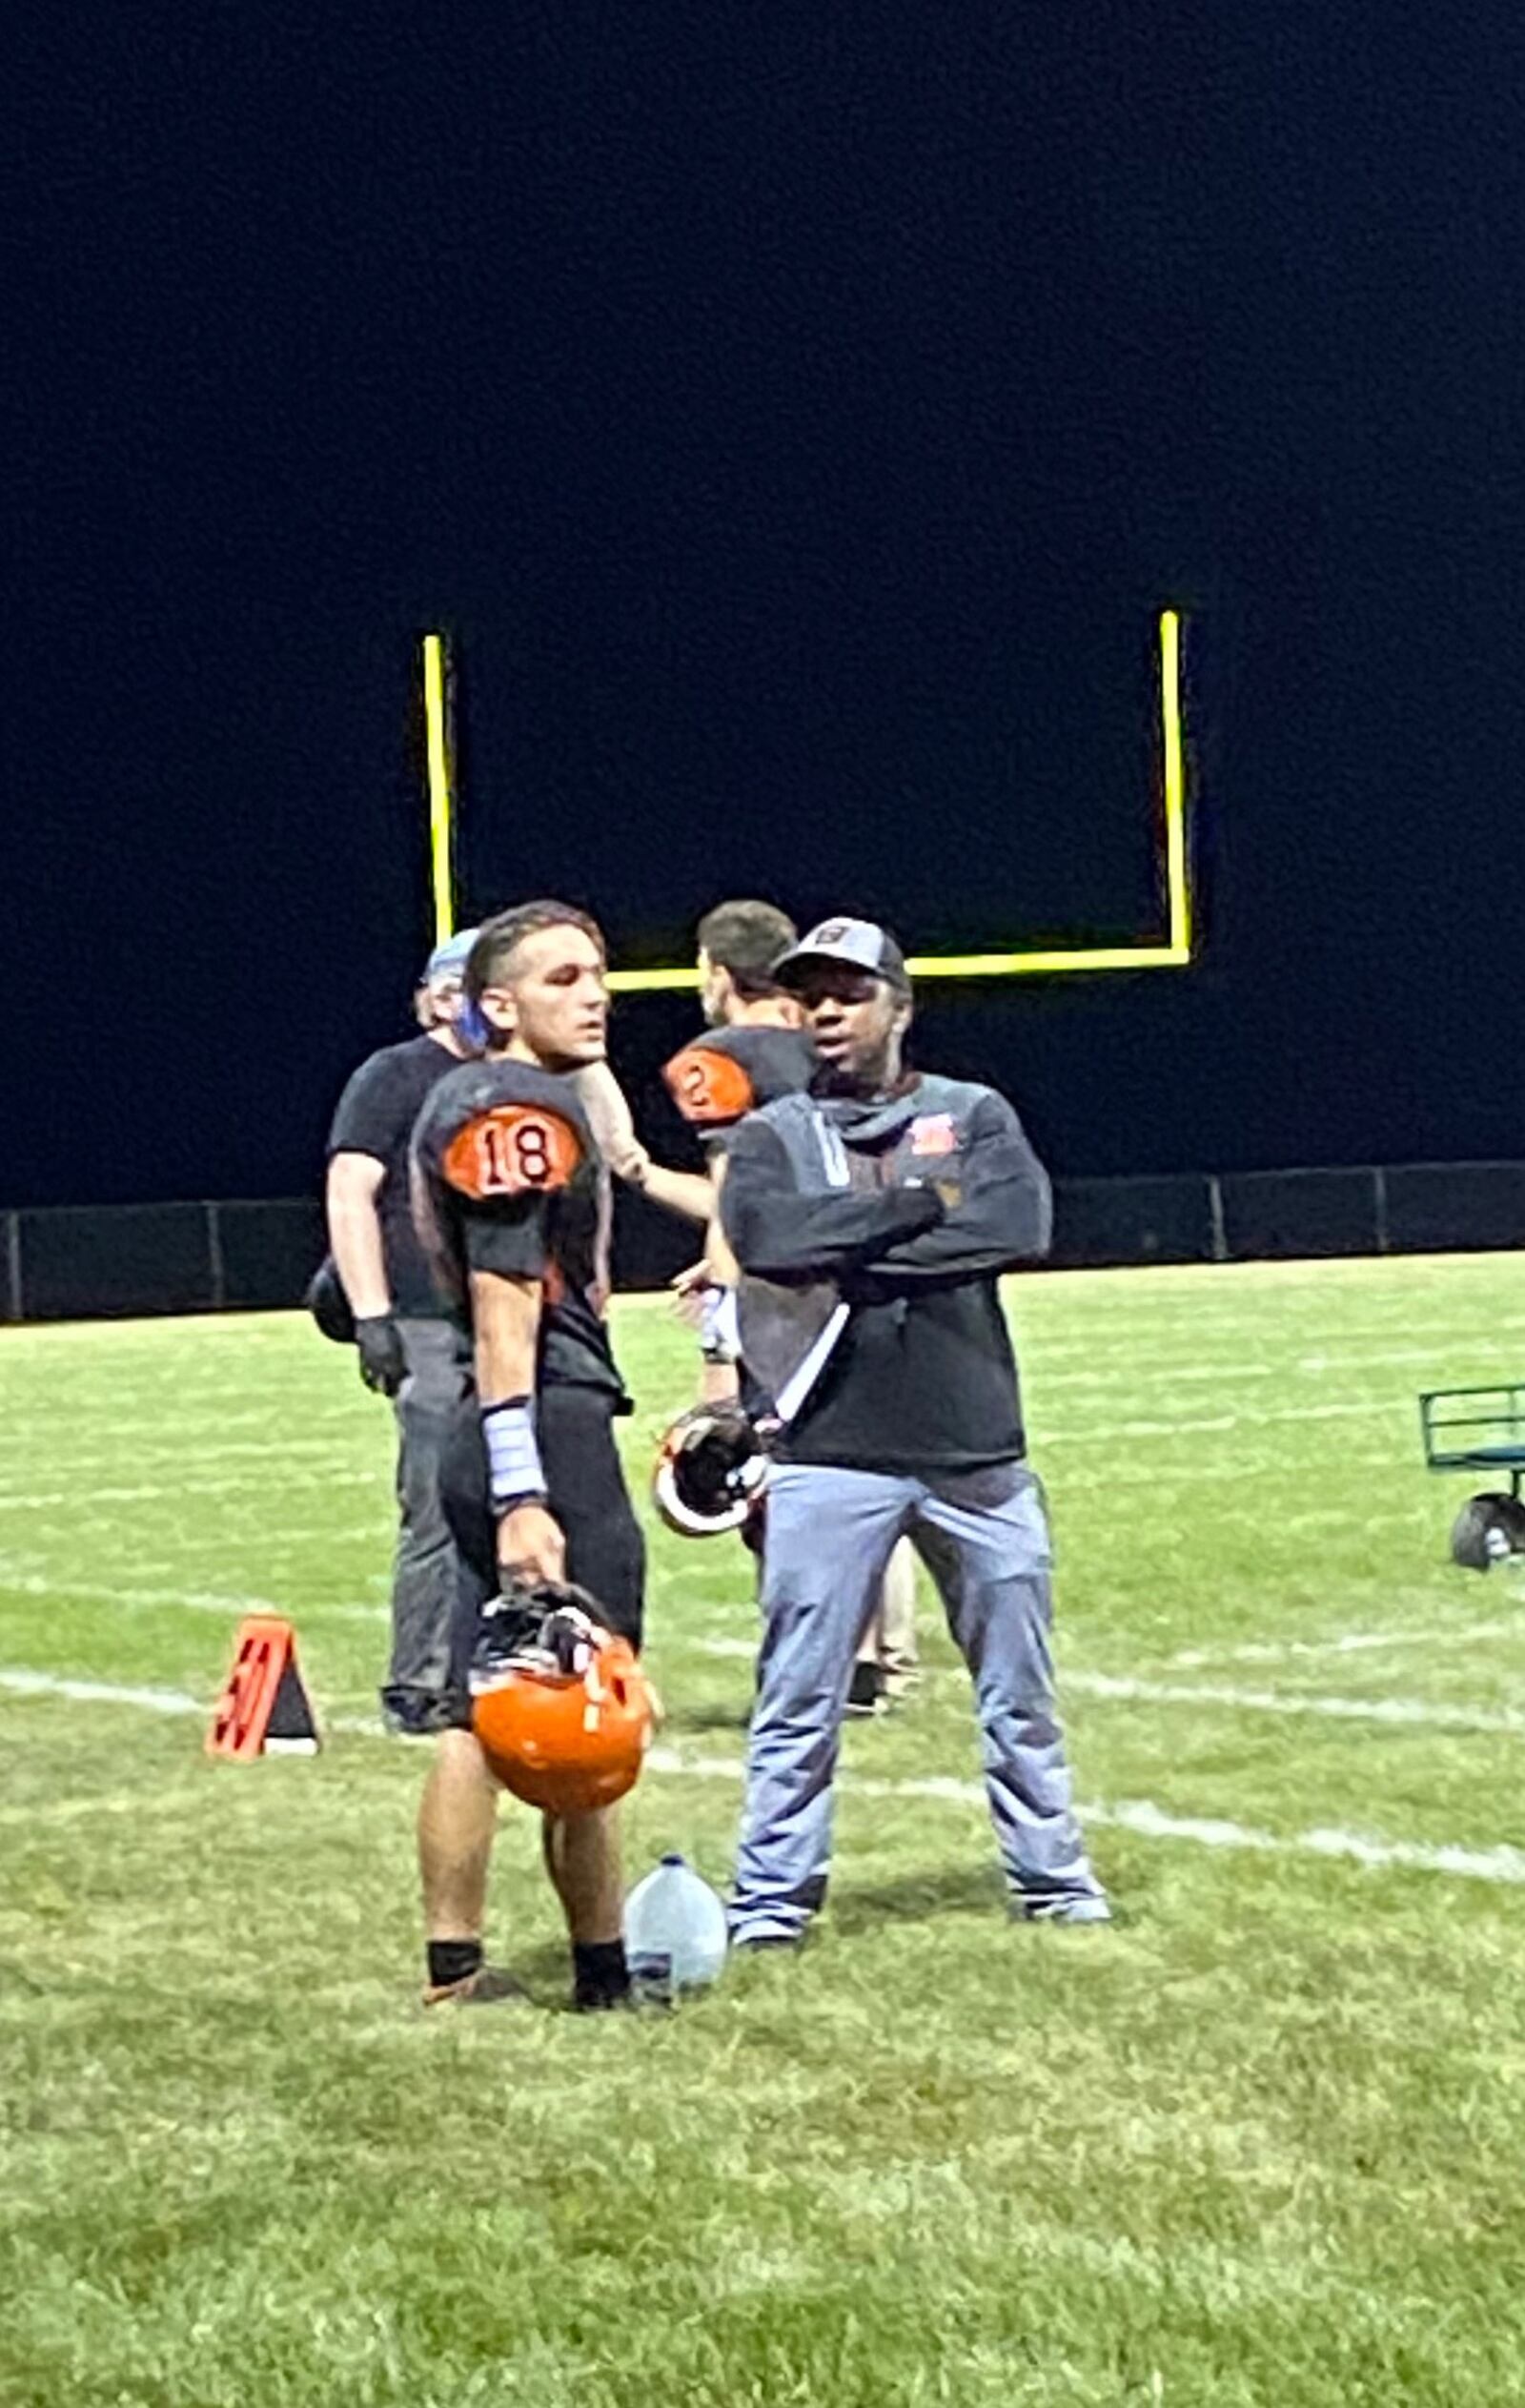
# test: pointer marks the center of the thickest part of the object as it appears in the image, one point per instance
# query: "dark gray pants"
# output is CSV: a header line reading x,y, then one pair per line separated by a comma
x,y
829,1535
426,1573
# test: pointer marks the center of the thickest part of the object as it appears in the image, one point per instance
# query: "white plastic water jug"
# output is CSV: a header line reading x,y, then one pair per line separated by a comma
x,y
675,1931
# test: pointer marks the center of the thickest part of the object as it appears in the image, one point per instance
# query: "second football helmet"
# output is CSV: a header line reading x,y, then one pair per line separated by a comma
x,y
1489,1528
561,1708
329,1305
711,1471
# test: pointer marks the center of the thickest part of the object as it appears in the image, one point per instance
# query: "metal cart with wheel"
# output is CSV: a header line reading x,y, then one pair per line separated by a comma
x,y
1480,1430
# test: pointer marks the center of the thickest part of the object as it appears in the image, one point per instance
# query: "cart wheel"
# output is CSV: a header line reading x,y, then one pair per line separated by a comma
x,y
1487,1529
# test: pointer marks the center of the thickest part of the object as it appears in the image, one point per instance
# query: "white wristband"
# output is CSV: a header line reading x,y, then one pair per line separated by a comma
x,y
514,1472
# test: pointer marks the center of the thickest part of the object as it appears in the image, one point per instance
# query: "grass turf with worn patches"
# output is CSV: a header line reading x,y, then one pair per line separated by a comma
x,y
1258,2143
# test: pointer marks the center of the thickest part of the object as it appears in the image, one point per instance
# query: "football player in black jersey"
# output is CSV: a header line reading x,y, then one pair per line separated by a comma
x,y
754,1047
754,1050
512,1199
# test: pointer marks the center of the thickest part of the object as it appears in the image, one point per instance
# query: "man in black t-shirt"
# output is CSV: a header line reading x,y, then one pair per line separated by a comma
x,y
511,1201
410,1345
890,1202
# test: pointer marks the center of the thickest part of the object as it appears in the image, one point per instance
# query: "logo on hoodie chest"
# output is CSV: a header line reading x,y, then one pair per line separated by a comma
x,y
933,1133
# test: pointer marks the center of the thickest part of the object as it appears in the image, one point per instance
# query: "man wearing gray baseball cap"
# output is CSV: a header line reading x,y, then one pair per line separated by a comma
x,y
852,945
871,1218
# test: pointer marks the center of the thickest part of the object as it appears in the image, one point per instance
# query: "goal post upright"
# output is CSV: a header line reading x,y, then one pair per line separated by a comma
x,y
442,801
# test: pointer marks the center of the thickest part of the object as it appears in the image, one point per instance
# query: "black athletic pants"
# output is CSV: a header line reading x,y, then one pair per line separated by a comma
x,y
605,1552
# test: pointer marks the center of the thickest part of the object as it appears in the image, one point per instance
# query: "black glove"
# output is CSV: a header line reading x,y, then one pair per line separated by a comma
x,y
383,1364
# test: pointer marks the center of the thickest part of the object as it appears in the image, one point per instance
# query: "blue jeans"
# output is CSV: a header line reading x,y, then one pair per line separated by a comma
x,y
984,1537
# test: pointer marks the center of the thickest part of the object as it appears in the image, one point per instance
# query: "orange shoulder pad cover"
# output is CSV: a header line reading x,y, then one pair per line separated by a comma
x,y
512,1150
709,1086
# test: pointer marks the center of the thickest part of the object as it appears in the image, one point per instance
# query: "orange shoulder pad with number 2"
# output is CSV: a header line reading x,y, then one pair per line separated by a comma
x,y
709,1086
512,1150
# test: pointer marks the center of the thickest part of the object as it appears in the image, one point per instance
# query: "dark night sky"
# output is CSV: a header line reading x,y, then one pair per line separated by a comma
x,y
798,414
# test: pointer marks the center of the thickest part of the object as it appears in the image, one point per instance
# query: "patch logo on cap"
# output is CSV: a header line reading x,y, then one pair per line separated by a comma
x,y
830,933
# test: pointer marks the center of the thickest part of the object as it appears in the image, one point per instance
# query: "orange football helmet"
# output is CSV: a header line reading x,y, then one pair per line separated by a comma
x,y
560,1707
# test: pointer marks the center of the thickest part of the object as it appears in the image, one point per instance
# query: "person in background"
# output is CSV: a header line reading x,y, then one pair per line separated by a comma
x,y
411,1346
756,1049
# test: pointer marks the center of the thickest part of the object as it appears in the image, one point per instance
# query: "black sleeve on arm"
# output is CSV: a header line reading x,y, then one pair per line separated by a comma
x,y
508,1236
373,1114
1003,1215
775,1233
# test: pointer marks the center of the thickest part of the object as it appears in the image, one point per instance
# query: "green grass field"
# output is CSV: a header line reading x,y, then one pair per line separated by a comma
x,y
1259,2142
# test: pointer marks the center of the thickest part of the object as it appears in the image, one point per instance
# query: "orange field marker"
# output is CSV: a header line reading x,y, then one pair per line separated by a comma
x,y
264,1709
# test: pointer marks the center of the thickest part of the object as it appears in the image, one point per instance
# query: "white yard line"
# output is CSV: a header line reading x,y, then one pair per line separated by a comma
x,y
1140,1817
1351,1642
28,1683
1113,1474
195,1600
1101,1433
1148,1820
85,1494
1292,1367
1242,1469
117,1409
1416,1712
1098,1684
311,1452
1503,1863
